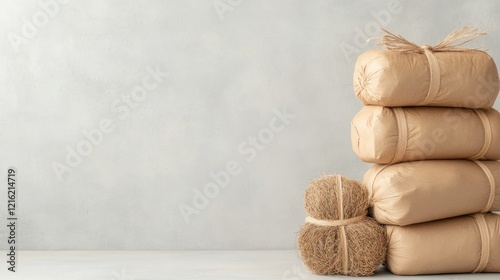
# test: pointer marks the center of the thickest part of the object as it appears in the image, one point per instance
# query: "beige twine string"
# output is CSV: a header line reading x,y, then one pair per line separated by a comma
x,y
335,223
485,242
340,222
402,144
452,43
488,134
342,228
492,182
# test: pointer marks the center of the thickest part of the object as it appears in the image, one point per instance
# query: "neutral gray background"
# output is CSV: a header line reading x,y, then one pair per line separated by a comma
x,y
227,73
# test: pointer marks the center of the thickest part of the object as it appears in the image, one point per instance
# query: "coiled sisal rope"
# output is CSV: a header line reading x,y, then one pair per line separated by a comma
x,y
452,43
341,222
338,238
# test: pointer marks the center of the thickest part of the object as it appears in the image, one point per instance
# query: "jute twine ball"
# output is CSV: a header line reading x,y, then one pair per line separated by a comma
x,y
338,237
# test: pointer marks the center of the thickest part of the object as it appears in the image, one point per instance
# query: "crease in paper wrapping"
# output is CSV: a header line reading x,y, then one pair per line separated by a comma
x,y
445,246
379,135
390,78
421,191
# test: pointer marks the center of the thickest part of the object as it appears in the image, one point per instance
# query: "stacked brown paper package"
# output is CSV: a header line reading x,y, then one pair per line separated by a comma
x,y
430,130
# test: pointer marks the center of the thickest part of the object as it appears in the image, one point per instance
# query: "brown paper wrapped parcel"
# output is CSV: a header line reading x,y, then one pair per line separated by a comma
x,y
392,78
388,135
421,191
458,245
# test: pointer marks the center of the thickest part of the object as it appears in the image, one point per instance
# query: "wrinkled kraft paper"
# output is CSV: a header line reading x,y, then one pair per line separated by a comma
x,y
387,135
421,191
390,78
456,245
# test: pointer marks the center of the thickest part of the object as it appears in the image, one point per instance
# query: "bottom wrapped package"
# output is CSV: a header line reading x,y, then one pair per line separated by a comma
x,y
466,244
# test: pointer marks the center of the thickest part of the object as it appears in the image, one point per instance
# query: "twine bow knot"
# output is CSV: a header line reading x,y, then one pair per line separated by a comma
x,y
452,43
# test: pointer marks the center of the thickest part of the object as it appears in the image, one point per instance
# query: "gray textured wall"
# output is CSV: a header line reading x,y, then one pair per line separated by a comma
x,y
237,71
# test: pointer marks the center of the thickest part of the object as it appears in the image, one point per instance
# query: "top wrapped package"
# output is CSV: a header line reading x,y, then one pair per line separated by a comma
x,y
446,75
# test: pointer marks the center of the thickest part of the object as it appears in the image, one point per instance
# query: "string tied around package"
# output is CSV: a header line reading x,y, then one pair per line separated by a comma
x,y
452,43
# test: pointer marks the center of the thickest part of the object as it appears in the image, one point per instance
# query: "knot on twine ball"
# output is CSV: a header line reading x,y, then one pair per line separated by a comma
x,y
337,236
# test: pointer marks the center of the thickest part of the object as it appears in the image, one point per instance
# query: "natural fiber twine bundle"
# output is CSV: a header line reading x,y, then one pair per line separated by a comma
x,y
338,237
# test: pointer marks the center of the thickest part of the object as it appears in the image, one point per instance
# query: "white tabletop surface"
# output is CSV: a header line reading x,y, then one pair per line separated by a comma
x,y
192,265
